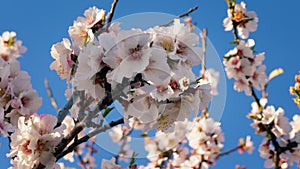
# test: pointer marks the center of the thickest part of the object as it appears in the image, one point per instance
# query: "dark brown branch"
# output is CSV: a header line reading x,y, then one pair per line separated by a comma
x,y
40,166
235,34
182,15
65,141
256,98
87,137
276,145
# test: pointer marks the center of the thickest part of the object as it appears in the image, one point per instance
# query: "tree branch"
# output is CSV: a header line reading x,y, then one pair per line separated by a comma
x,y
63,112
182,15
124,139
256,98
88,136
204,42
230,151
50,94
111,14
81,160
65,141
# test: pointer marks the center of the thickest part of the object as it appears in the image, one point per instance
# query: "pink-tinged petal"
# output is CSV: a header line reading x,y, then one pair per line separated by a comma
x,y
227,23
48,122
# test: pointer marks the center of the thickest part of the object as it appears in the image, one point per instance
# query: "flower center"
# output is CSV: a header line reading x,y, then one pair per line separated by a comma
x,y
25,101
239,16
164,122
4,57
239,53
89,19
181,49
25,148
60,70
10,41
297,78
83,33
161,89
174,85
167,44
41,145
135,53
149,101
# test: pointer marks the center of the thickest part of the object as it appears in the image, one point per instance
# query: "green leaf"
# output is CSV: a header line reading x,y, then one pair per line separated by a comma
x,y
144,134
107,111
132,160
234,42
11,41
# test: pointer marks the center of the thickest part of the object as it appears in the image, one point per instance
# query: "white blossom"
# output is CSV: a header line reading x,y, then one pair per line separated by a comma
x,y
10,47
89,64
34,141
247,20
62,53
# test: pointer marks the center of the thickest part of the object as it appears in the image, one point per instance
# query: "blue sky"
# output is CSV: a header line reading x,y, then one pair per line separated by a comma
x,y
39,24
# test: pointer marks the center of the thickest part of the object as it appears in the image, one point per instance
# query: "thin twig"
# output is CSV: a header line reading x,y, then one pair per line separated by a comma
x,y
111,14
50,94
255,98
204,40
275,144
92,140
230,151
80,159
63,112
182,15
103,104
124,139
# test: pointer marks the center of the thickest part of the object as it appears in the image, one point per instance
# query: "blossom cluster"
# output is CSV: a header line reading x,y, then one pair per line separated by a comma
x,y
295,90
150,72
34,142
241,19
242,63
245,67
65,53
120,135
17,98
272,124
85,150
158,90
192,144
280,146
32,137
